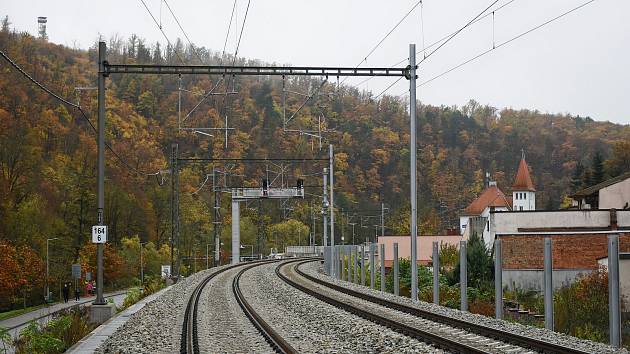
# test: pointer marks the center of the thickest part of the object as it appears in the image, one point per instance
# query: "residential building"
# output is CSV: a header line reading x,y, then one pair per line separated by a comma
x,y
474,219
424,247
612,193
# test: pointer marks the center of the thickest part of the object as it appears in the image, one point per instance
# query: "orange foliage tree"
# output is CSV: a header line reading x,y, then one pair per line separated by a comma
x,y
21,272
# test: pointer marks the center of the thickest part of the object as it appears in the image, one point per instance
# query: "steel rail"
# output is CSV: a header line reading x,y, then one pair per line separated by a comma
x,y
422,335
272,337
189,342
504,336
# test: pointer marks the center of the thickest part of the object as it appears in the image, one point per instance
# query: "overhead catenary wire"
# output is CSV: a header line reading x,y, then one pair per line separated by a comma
x,y
77,107
386,36
192,46
442,39
211,91
162,30
238,45
502,44
453,35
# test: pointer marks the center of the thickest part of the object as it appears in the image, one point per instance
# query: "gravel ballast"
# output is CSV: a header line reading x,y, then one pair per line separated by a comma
x,y
310,325
156,328
222,325
315,269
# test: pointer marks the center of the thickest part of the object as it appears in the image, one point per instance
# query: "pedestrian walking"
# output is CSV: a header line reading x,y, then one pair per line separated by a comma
x,y
66,292
89,288
77,293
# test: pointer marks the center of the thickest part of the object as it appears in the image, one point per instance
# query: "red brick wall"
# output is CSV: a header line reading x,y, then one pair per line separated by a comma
x,y
576,251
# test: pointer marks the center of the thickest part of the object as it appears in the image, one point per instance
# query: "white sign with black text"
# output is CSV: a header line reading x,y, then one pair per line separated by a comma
x,y
99,234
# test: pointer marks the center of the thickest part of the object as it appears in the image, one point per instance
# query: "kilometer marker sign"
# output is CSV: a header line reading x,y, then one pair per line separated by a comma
x,y
99,234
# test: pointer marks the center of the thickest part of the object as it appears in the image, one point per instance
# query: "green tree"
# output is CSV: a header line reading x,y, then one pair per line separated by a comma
x,y
598,168
619,162
288,233
479,264
577,180
146,104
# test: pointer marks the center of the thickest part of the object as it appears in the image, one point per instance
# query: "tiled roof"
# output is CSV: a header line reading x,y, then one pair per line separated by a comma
x,y
522,181
491,197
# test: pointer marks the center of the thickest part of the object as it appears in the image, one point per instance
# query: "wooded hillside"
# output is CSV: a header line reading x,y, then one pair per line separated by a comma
x,y
48,153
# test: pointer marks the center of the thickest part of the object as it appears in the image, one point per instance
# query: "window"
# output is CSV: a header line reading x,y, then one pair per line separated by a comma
x,y
524,195
520,208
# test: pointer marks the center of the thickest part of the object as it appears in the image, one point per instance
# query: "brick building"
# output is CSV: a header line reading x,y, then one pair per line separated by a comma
x,y
579,239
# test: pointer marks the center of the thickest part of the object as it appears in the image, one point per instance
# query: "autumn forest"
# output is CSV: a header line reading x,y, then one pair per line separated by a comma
x,y
48,158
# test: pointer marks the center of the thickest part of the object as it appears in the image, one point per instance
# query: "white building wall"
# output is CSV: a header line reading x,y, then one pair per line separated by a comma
x,y
615,196
533,279
463,223
624,274
523,200
623,217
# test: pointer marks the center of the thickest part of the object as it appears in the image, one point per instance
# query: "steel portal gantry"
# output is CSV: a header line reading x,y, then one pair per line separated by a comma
x,y
106,69
229,70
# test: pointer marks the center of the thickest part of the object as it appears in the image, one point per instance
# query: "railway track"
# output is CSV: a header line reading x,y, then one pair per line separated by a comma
x,y
431,337
190,335
469,332
272,337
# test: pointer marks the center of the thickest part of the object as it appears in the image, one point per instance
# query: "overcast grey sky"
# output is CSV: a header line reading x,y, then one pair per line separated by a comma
x,y
577,65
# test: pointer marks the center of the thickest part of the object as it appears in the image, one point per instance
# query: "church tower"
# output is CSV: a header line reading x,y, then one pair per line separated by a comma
x,y
523,191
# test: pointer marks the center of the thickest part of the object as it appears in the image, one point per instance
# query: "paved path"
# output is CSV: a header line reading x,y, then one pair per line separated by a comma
x,y
42,315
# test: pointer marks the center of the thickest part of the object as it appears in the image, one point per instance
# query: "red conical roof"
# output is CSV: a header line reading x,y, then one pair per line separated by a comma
x,y
523,181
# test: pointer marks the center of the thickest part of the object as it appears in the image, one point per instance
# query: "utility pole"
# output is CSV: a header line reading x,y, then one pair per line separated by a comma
x,y
173,206
341,227
47,268
414,211
142,263
352,223
382,219
216,222
100,185
332,199
313,226
324,207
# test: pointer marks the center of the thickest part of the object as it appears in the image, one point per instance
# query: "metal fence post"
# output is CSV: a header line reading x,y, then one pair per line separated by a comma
x,y
342,261
337,256
349,262
548,285
372,270
356,264
613,291
463,276
325,260
498,281
436,273
396,278
382,256
363,265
